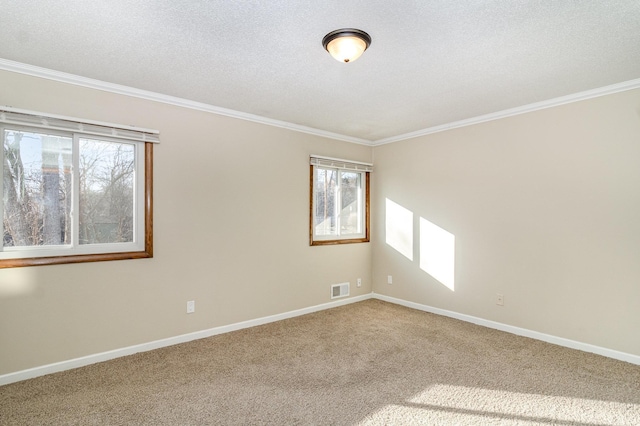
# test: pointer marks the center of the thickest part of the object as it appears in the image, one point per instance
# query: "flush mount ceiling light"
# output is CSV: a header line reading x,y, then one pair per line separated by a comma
x,y
347,44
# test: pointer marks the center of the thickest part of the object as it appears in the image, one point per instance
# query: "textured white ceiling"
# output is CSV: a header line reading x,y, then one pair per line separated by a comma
x,y
430,62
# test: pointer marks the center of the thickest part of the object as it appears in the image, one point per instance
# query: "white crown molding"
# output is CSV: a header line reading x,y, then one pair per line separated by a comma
x,y
560,341
576,97
63,77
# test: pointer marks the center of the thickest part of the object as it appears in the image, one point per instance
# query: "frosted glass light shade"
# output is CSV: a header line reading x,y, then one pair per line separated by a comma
x,y
346,45
346,49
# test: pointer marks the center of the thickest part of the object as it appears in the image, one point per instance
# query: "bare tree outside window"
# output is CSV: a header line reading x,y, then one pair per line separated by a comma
x,y
325,202
107,182
36,185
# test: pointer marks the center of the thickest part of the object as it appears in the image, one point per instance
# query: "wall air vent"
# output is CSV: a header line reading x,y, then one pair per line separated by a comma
x,y
339,290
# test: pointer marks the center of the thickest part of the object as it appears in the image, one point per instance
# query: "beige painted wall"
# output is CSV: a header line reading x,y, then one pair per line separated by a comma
x,y
545,209
230,225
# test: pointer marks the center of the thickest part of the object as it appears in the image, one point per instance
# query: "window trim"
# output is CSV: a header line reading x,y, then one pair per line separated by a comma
x,y
147,251
336,241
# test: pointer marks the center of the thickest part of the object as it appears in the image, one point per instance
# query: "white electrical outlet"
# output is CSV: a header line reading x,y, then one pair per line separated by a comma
x,y
500,299
191,306
389,279
359,282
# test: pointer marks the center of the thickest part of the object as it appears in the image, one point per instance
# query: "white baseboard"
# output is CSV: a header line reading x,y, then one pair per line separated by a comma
x,y
622,356
157,344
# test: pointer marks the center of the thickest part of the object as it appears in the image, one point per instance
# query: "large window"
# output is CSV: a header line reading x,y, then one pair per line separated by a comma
x,y
71,195
339,201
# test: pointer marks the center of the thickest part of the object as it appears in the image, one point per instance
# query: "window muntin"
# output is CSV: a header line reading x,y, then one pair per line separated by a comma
x,y
339,206
69,197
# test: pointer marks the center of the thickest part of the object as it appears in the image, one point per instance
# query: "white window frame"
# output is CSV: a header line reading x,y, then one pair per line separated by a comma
x,y
341,166
142,244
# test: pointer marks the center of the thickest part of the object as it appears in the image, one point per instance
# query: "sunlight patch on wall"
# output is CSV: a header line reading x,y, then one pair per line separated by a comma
x,y
16,282
437,253
399,228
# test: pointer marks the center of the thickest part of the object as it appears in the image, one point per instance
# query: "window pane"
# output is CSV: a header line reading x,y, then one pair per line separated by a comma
x,y
107,177
325,202
37,189
338,206
350,209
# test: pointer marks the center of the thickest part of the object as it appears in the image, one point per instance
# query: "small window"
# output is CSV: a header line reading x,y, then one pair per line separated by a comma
x,y
339,201
70,196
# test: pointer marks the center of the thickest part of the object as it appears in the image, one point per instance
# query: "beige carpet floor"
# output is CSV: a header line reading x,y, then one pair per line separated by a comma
x,y
369,363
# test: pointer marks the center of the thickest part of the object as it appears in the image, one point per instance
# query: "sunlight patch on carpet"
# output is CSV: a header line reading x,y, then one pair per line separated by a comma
x,y
453,404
